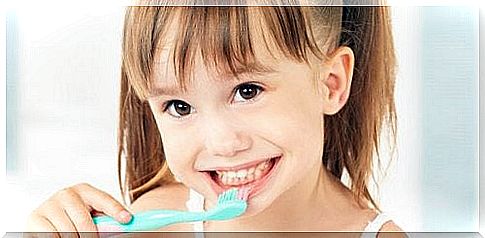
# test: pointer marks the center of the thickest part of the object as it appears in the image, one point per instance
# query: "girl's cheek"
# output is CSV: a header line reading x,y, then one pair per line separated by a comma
x,y
178,148
177,144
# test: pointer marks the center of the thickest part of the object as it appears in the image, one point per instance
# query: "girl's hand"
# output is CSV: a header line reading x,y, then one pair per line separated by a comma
x,y
70,210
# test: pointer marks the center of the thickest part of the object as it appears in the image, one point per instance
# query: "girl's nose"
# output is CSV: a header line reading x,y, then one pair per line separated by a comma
x,y
225,139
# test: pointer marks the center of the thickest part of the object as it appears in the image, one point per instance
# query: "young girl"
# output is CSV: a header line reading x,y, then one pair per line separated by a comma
x,y
284,100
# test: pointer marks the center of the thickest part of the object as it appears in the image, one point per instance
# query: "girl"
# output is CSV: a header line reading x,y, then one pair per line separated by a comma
x,y
285,100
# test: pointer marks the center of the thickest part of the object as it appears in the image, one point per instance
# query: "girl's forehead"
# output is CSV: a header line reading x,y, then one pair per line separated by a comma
x,y
165,76
172,42
179,60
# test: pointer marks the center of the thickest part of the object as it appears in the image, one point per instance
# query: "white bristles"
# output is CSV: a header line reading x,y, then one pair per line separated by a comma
x,y
243,193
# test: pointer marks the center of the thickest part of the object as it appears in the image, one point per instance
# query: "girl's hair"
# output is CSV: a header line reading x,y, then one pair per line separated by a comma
x,y
225,38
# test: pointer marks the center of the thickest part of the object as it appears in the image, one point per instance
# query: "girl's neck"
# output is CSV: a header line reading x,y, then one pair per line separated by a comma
x,y
305,206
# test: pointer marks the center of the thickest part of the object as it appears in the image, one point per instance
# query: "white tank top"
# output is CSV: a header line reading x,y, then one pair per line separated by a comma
x,y
196,204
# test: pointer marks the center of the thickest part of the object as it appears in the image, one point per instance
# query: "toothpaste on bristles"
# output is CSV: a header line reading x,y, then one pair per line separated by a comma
x,y
243,193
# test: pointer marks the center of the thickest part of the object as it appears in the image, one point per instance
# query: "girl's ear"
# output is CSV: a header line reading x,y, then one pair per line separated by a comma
x,y
337,79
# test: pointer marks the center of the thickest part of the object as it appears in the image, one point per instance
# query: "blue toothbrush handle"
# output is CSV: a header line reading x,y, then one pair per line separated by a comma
x,y
150,220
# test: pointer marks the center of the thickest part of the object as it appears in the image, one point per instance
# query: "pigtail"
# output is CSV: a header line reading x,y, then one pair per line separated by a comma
x,y
140,144
352,135
140,148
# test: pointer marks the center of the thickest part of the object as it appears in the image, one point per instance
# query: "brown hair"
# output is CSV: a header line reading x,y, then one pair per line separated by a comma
x,y
223,35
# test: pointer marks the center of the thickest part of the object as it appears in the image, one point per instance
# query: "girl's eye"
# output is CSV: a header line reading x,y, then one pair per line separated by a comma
x,y
178,108
247,92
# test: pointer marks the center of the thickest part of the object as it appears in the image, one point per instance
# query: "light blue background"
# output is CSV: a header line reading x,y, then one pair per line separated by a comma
x,y
450,118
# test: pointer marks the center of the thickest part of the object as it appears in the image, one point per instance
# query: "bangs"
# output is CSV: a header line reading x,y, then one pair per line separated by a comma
x,y
225,38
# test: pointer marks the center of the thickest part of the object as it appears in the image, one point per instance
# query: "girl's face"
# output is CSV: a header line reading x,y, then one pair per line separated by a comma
x,y
264,131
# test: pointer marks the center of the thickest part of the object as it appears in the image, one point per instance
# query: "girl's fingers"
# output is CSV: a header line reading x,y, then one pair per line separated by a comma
x,y
45,228
69,212
103,202
79,215
59,218
38,223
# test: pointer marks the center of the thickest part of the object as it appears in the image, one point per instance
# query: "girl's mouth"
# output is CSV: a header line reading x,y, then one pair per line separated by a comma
x,y
254,177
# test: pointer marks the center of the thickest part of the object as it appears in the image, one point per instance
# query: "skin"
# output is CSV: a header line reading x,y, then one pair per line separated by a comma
x,y
70,210
224,133
224,130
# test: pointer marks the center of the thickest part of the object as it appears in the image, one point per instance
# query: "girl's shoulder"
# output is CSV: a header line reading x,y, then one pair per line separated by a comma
x,y
356,216
391,229
383,226
171,196
390,226
370,220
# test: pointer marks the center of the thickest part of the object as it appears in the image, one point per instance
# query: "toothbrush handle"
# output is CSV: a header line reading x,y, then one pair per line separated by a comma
x,y
148,220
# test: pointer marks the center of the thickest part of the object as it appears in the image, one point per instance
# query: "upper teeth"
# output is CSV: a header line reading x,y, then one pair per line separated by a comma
x,y
243,173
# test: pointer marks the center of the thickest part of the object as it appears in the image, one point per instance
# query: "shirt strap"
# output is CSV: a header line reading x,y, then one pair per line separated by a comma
x,y
375,225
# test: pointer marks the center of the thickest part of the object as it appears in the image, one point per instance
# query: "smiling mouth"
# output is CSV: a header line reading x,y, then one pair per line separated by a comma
x,y
253,177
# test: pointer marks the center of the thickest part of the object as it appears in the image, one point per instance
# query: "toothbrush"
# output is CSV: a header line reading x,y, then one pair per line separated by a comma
x,y
230,204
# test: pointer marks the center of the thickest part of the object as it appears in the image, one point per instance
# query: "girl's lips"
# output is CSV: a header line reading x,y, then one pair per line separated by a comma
x,y
255,187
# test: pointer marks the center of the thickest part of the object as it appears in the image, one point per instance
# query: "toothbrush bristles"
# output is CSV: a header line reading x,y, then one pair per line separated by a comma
x,y
243,193
240,193
246,194
226,196
234,193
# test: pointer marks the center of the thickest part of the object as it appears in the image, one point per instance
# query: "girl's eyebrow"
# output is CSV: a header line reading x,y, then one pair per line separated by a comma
x,y
246,72
242,74
158,91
